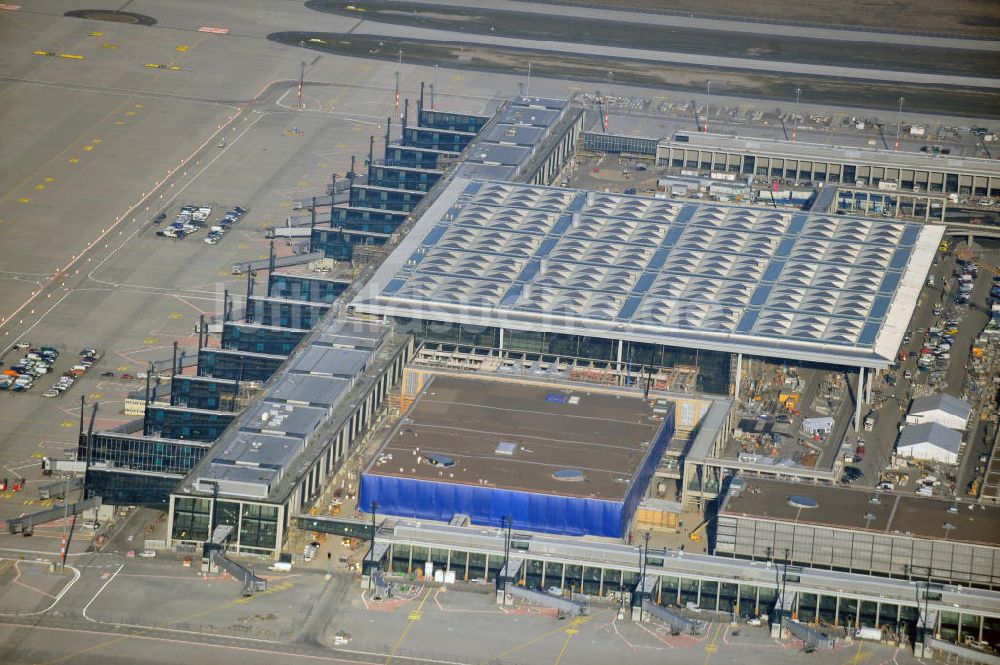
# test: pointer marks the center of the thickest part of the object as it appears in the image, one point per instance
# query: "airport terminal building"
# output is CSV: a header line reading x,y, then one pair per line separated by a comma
x,y
275,459
575,336
649,282
864,531
805,162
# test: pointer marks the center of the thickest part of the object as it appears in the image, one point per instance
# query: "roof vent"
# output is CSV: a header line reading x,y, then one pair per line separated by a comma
x,y
569,475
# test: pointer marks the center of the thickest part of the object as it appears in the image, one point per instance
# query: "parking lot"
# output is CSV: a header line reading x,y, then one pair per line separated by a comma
x,y
112,144
191,219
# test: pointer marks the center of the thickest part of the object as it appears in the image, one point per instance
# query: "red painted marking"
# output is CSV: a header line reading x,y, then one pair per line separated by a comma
x,y
10,8
214,31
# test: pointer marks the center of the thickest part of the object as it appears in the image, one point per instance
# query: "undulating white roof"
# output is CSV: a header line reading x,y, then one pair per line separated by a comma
x,y
772,282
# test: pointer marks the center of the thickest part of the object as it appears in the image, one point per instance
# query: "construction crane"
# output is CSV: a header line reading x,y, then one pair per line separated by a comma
x,y
695,534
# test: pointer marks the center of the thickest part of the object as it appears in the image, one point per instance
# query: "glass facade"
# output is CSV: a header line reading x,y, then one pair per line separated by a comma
x,y
428,137
237,366
398,155
120,488
395,177
363,219
714,366
182,423
615,144
715,595
284,313
191,518
454,121
386,199
279,341
259,527
866,202
198,393
296,287
339,245
142,453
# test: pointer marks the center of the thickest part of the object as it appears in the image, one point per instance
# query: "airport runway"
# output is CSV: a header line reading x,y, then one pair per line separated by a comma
x,y
723,25
614,52
88,139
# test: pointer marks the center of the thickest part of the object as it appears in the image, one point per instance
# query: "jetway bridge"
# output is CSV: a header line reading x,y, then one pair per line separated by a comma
x,y
26,523
214,558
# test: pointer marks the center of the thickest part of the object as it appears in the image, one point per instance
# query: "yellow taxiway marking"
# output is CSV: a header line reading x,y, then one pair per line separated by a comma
x,y
713,646
88,148
74,160
175,315
413,617
24,199
95,395
96,34
50,179
859,655
570,632
39,187
67,423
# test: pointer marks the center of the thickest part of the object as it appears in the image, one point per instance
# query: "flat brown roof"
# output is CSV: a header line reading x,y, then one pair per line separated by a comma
x,y
548,429
846,507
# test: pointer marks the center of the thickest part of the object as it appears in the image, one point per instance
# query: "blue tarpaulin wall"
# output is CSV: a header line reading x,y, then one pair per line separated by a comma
x,y
432,500
647,468
489,506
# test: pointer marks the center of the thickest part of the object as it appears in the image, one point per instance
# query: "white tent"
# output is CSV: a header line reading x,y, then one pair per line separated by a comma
x,y
817,425
942,409
931,442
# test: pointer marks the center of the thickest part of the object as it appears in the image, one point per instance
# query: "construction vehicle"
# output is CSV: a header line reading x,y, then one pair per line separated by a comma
x,y
974,487
695,534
